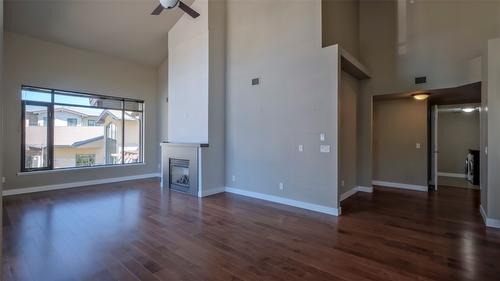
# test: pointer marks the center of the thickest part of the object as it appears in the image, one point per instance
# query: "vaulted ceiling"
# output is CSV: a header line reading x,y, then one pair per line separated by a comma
x,y
120,28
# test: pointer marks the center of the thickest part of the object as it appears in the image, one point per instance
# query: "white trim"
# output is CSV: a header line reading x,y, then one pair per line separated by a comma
x,y
212,191
368,189
348,193
487,221
452,175
7,192
355,190
286,201
401,185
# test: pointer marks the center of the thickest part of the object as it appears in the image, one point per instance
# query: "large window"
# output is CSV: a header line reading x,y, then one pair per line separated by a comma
x,y
63,129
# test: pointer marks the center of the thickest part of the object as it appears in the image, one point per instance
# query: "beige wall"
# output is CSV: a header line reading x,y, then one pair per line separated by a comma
x,y
40,63
439,39
348,96
340,24
457,133
398,125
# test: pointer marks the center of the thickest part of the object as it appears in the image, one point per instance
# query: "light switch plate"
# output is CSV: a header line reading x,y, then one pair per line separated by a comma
x,y
322,136
324,148
418,145
301,147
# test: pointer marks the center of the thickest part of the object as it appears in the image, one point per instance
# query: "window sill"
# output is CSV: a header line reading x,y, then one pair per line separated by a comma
x,y
79,169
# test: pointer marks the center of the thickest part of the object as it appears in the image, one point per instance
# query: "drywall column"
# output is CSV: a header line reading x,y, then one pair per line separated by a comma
x,y
1,124
196,87
492,207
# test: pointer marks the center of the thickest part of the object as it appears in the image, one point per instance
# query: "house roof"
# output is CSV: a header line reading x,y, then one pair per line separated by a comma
x,y
84,142
115,114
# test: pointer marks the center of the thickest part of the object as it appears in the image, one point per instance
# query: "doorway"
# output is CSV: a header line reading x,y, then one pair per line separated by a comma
x,y
424,143
455,144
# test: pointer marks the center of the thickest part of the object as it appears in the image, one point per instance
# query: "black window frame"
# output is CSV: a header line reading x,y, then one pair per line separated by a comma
x,y
50,125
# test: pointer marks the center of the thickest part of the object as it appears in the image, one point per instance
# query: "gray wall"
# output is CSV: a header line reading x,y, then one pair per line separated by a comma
x,y
40,63
399,43
280,42
348,96
398,125
457,133
340,24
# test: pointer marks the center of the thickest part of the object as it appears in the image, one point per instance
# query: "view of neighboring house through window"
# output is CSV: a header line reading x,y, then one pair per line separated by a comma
x,y
67,129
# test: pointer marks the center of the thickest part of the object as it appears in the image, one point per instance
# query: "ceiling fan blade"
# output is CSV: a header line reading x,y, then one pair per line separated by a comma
x,y
158,10
188,10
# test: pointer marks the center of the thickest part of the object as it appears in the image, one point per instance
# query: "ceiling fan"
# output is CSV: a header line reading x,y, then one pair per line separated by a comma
x,y
170,4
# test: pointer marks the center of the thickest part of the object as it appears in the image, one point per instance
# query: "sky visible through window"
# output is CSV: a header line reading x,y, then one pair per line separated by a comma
x,y
58,98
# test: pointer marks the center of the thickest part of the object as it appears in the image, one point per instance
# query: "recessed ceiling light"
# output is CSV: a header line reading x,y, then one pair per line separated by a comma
x,y
421,96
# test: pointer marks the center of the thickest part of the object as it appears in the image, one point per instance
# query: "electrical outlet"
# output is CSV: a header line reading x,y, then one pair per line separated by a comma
x,y
234,178
322,137
342,183
418,145
281,186
324,148
3,179
301,147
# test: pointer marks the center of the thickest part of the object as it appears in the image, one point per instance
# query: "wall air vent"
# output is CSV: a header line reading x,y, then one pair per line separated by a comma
x,y
421,80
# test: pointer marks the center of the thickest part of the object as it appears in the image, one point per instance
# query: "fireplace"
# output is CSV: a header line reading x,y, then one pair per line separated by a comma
x,y
180,167
179,174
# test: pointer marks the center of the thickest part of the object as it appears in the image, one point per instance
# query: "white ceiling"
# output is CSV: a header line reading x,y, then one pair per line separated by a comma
x,y
121,28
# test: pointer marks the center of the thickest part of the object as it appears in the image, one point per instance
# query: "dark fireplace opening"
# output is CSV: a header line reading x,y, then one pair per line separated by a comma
x,y
179,174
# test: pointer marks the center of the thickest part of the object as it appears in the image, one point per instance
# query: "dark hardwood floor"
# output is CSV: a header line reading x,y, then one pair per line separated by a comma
x,y
134,231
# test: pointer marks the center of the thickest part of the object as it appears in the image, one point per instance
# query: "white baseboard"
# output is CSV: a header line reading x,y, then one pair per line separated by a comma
x,y
7,192
348,193
368,189
401,185
205,193
355,190
286,201
452,175
487,221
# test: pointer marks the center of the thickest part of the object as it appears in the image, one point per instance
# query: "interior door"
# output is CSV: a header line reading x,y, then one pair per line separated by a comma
x,y
435,146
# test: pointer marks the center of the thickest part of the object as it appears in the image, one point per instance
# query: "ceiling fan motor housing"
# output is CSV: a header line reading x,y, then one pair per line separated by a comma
x,y
169,4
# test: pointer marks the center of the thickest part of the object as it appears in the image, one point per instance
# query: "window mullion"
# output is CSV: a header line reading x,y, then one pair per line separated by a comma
x,y
50,134
123,131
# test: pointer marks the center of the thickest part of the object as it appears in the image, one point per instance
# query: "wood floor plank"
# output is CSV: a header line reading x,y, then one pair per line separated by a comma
x,y
135,231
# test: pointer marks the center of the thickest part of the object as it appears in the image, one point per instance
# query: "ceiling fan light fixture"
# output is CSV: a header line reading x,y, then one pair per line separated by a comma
x,y
169,4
